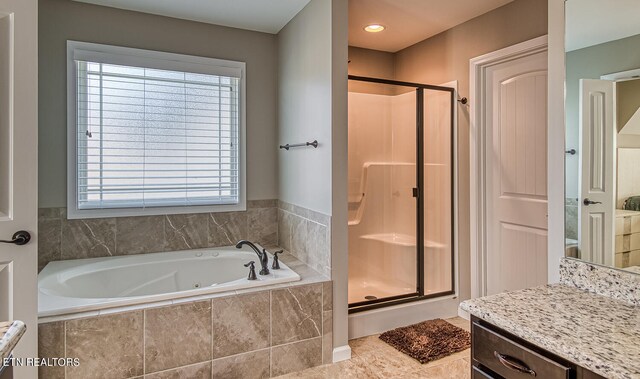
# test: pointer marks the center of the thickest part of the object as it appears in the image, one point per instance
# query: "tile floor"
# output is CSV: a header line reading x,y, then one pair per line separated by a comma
x,y
373,358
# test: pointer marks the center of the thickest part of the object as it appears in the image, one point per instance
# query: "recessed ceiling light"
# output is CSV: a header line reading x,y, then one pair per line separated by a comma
x,y
374,28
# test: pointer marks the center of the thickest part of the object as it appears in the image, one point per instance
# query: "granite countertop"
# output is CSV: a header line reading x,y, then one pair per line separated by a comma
x,y
593,331
10,334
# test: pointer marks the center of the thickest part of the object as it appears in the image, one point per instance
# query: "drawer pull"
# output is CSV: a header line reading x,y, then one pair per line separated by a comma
x,y
513,364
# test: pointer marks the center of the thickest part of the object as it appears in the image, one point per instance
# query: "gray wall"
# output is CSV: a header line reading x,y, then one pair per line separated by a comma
x,y
591,63
444,58
304,82
312,97
372,63
62,20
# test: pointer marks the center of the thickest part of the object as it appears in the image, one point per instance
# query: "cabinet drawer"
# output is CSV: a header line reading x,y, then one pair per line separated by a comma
x,y
477,373
510,359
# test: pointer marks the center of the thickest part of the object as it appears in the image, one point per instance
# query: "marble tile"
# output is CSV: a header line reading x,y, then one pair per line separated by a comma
x,y
186,231
305,213
299,238
368,345
454,369
327,296
240,324
353,368
460,323
284,229
51,345
317,247
378,360
49,236
387,364
196,371
262,224
108,347
296,313
327,337
167,346
296,356
285,206
137,235
253,365
571,221
227,228
88,238
268,203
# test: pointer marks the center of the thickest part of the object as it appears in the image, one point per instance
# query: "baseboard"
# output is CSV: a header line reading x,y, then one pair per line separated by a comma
x,y
376,321
341,353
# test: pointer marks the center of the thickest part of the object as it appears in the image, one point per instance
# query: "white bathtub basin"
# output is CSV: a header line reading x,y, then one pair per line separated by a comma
x,y
89,284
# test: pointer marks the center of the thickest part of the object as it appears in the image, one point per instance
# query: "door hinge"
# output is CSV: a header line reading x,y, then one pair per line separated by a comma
x,y
415,192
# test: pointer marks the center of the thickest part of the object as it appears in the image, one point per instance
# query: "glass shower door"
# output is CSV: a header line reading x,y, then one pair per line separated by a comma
x,y
401,181
383,262
437,185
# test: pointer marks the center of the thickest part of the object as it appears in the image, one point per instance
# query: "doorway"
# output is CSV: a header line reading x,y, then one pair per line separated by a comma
x,y
401,191
508,150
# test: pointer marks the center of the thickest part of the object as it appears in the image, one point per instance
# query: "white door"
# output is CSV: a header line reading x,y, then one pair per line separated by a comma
x,y
18,169
597,171
516,173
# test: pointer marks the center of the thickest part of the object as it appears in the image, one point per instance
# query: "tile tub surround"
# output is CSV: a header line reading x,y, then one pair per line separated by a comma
x,y
306,234
606,281
593,331
571,218
258,334
61,238
10,334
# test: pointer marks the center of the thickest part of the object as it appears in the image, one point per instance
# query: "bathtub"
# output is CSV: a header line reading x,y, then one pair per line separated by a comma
x,y
81,285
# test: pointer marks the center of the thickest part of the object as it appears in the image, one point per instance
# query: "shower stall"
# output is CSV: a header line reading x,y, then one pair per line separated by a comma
x,y
401,192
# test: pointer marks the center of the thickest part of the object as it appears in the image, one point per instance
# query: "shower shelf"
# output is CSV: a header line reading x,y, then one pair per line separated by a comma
x,y
400,239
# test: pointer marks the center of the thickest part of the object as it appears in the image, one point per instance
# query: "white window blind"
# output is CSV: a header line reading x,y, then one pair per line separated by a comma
x,y
149,137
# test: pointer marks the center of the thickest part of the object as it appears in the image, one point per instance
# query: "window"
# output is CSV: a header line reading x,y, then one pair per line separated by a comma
x,y
153,133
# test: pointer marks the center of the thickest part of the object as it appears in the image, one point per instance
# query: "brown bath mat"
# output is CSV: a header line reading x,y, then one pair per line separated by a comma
x,y
428,340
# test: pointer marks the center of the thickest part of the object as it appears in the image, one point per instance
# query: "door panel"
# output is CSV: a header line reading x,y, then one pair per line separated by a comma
x,y
524,263
597,171
18,169
516,167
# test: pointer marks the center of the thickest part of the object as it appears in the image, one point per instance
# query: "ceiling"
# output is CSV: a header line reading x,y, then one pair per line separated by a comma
x,y
592,22
267,16
410,21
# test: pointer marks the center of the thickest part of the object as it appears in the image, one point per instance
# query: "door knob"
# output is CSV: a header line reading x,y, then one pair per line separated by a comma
x,y
589,202
21,237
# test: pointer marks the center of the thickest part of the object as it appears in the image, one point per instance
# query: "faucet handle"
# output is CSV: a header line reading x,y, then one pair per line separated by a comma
x,y
276,262
252,270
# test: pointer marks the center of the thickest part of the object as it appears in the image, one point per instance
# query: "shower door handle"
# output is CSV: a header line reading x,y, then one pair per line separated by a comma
x,y
415,191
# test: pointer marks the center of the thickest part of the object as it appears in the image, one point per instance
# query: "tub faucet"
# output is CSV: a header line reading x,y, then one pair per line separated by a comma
x,y
262,256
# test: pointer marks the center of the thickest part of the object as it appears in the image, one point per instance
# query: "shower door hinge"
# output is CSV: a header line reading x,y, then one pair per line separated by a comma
x,y
415,192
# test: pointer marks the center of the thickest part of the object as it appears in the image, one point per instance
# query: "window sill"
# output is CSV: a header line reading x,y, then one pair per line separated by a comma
x,y
74,213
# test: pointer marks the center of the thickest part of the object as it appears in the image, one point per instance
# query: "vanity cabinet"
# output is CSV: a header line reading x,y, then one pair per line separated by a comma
x,y
499,354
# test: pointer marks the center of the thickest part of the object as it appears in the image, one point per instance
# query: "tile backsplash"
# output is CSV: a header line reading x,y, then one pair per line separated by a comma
x,y
571,218
306,234
61,238
606,281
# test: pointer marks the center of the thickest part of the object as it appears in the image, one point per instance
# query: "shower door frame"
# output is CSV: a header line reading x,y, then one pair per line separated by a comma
x,y
419,195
